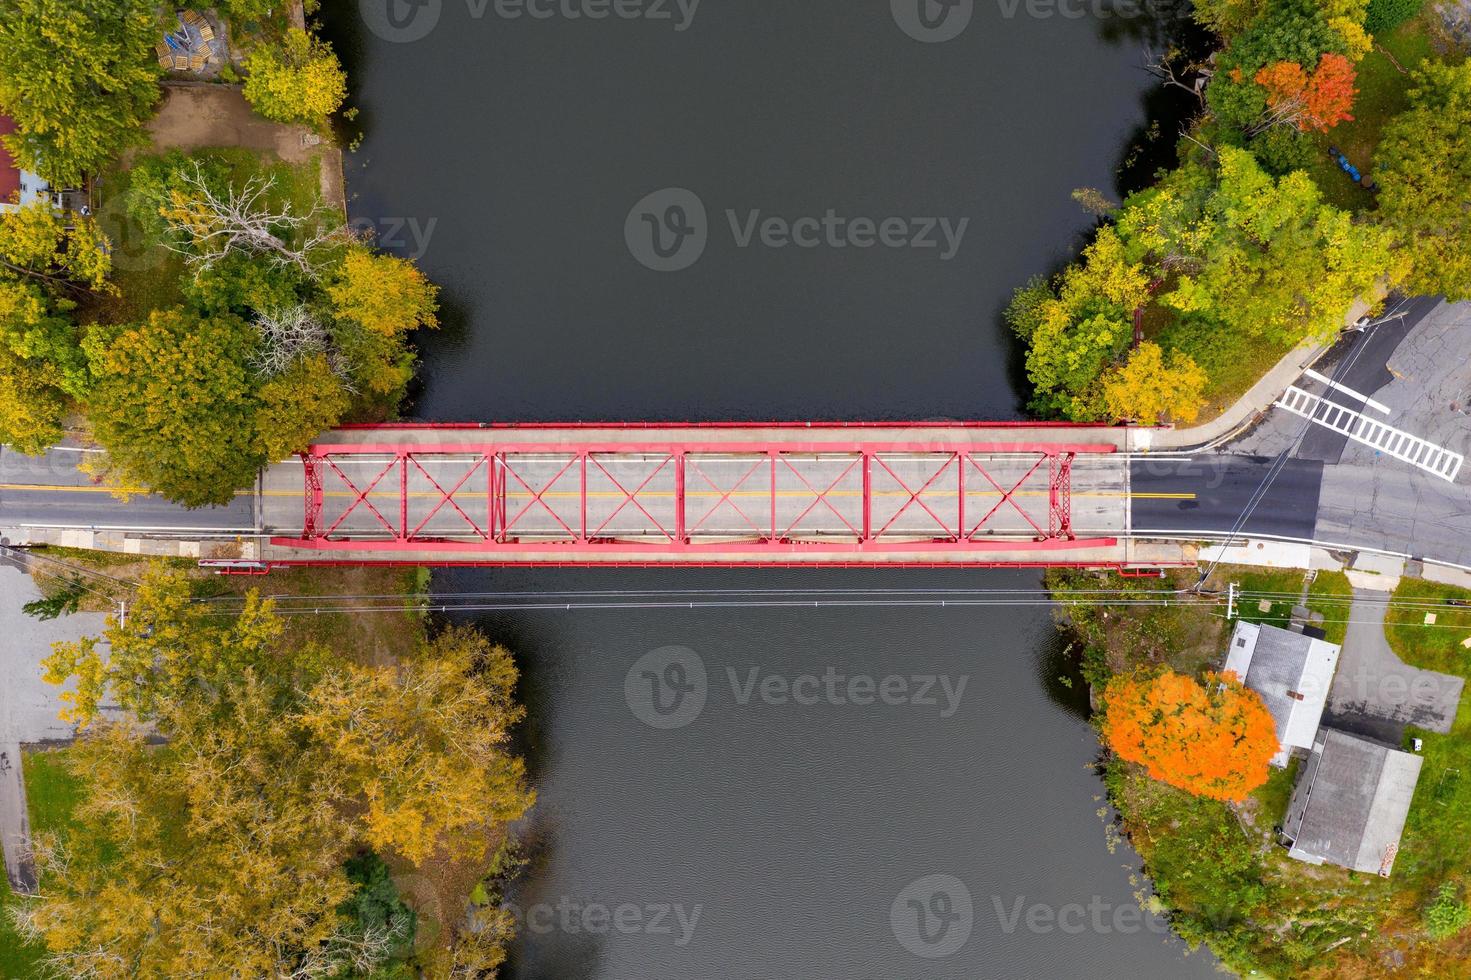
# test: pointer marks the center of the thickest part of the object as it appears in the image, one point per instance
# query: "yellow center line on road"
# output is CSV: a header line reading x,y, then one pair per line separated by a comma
x,y
598,494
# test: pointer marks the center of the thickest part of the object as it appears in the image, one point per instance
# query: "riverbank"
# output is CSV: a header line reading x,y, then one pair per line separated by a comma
x,y
1215,869
1218,309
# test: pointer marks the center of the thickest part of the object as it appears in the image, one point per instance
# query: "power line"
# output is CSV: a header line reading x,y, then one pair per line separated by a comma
x,y
1280,462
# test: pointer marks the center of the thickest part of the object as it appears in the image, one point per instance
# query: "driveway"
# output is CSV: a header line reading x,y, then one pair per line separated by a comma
x,y
1376,694
28,707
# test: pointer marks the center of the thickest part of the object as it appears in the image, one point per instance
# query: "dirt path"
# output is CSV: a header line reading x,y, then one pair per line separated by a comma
x,y
194,117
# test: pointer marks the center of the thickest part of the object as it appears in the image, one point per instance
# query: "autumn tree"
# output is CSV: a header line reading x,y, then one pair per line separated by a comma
x,y
299,80
80,80
37,243
1149,388
384,294
283,757
427,742
1424,171
1076,327
1316,101
1213,739
42,368
173,404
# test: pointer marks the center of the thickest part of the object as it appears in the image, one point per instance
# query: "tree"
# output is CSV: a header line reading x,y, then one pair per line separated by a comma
x,y
299,80
427,742
1447,915
36,243
80,80
1424,171
1260,256
1385,15
1318,101
387,295
173,404
283,760
1148,389
41,365
1213,739
1077,329
306,399
216,219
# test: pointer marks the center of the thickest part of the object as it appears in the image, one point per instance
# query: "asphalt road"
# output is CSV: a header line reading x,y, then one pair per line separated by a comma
x,y
50,491
1222,489
1361,362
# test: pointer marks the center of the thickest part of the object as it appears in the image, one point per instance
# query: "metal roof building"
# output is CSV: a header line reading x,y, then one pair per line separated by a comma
x,y
1350,803
1292,673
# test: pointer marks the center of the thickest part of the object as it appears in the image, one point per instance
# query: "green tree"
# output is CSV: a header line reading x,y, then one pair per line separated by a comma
x,y
1447,915
80,80
1260,256
173,403
42,368
299,80
1077,329
1424,170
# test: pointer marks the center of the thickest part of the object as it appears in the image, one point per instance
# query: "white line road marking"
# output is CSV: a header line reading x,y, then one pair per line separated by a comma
x,y
1360,428
1379,407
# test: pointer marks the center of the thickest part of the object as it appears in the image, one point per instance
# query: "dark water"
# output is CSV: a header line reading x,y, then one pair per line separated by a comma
x,y
507,155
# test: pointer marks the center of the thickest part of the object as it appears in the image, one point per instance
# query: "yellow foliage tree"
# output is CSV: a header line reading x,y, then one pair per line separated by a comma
x,y
387,295
299,80
220,854
427,742
1148,388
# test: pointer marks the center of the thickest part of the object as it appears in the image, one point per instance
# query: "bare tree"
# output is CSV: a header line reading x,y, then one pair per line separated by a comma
x,y
286,336
241,219
1163,67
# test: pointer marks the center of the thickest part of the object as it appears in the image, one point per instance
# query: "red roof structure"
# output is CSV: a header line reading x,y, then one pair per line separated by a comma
x,y
9,172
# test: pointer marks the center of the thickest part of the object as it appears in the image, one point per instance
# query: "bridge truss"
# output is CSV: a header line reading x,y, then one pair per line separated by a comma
x,y
558,501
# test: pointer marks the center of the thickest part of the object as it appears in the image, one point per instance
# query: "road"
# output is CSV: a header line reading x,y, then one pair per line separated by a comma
x,y
1330,489
1223,488
51,491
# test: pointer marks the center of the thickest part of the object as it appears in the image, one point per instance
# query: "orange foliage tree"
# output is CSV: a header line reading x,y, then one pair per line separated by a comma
x,y
1213,739
1318,101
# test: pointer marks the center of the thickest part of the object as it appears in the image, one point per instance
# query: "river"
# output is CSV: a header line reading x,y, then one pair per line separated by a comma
x,y
871,792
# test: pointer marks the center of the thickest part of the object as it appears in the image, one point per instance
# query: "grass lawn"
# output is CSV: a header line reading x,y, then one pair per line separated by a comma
x,y
1382,95
52,794
1267,585
1436,647
1326,587
146,274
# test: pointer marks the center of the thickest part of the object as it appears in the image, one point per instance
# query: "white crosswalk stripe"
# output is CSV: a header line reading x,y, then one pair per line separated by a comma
x,y
1385,438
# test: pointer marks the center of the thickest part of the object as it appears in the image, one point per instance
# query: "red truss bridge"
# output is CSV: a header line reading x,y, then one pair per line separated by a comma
x,y
979,493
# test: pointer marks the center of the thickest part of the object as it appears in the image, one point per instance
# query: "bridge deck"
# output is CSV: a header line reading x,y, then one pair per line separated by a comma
x,y
729,494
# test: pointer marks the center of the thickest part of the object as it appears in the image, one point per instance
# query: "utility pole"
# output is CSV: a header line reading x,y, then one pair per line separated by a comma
x,y
1231,591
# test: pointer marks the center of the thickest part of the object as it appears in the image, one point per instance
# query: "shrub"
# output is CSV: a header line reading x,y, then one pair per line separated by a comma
x,y
1385,15
1447,914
